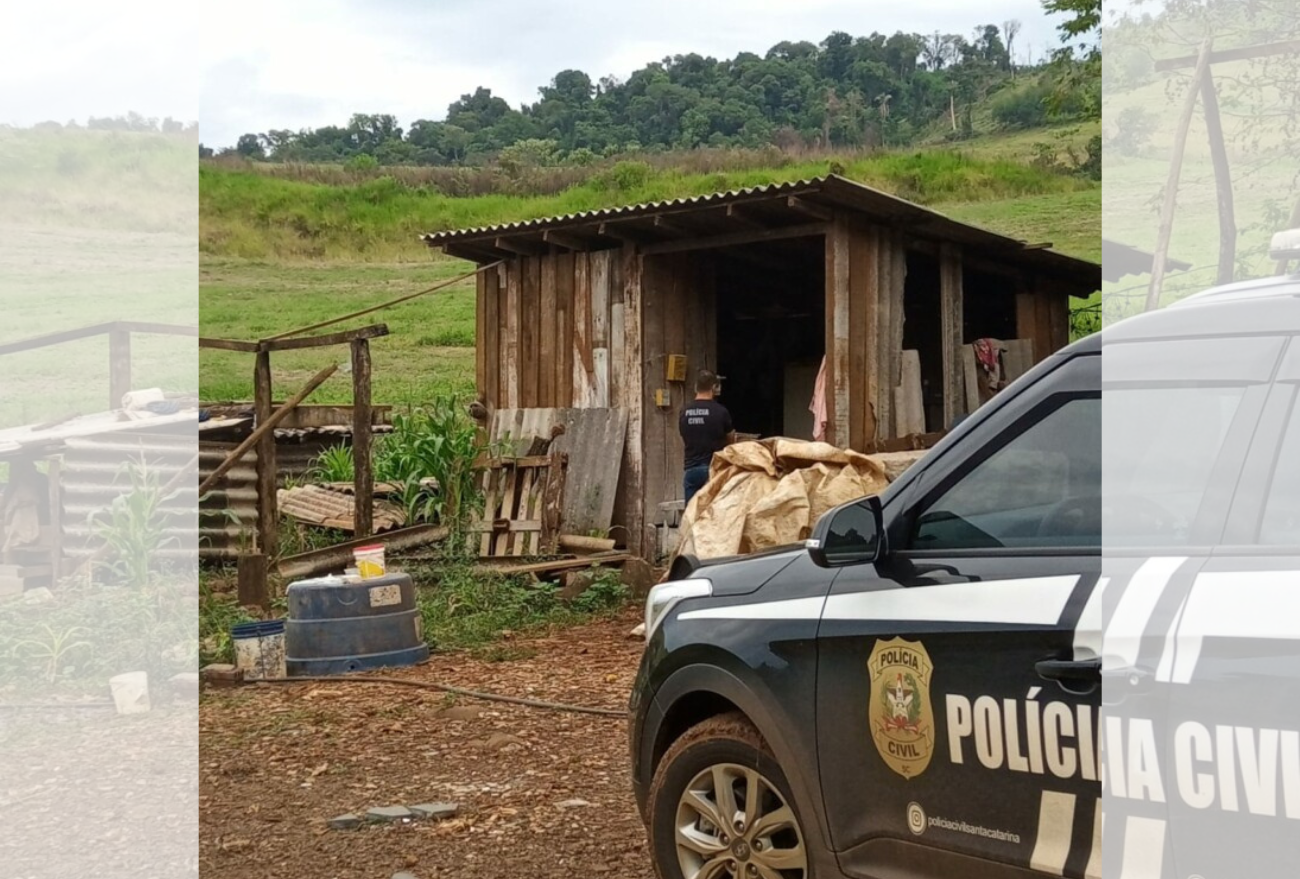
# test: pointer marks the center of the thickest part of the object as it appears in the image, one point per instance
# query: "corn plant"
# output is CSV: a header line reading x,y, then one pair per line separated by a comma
x,y
53,648
435,443
134,527
334,464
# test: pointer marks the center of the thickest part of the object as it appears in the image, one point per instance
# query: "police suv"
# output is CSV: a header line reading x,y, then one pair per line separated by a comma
x,y
918,692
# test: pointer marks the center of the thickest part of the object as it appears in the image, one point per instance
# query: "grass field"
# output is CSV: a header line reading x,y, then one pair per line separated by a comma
x,y
261,274
278,213
430,350
97,226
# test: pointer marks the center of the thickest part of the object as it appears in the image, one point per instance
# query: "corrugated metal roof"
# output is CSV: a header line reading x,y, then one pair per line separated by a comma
x,y
712,199
833,190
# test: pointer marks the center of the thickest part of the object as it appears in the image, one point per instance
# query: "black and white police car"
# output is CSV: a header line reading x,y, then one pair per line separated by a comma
x,y
919,691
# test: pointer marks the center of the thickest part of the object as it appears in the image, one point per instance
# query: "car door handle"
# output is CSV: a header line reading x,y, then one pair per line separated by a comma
x,y
1080,676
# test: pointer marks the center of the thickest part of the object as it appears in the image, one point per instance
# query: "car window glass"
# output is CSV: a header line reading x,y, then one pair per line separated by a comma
x,y
1040,489
1161,445
1281,523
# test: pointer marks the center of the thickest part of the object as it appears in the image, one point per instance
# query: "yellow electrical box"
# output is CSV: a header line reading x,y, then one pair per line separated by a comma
x,y
662,398
677,367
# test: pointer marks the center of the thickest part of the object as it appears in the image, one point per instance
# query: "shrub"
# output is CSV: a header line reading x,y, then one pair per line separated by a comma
x,y
1132,130
627,176
1024,107
361,162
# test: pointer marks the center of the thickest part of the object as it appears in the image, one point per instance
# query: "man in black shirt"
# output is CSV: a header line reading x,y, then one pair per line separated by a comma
x,y
705,426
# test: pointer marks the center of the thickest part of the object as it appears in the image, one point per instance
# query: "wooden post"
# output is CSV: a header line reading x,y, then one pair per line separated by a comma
x,y
1171,186
634,397
268,511
1222,180
52,476
119,365
252,581
362,458
264,429
951,332
1282,264
838,402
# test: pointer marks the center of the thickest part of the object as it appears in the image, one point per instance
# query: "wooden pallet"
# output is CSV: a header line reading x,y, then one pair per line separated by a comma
x,y
523,498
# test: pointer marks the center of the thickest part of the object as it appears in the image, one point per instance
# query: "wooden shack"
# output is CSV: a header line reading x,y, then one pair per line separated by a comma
x,y
605,308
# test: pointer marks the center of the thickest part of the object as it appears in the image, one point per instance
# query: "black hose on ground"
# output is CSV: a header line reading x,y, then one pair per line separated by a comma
x,y
447,688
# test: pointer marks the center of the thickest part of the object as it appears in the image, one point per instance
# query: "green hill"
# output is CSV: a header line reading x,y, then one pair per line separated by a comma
x,y
281,249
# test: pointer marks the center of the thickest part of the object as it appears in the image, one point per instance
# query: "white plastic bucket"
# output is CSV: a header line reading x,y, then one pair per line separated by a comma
x,y
370,561
259,649
130,692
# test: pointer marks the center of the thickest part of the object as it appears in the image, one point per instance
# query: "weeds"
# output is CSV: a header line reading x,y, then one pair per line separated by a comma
x,y
607,592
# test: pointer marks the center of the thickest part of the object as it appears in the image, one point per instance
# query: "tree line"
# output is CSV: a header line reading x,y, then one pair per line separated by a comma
x,y
873,91
131,122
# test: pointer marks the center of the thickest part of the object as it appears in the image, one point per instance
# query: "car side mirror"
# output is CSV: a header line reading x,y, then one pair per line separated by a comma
x,y
850,534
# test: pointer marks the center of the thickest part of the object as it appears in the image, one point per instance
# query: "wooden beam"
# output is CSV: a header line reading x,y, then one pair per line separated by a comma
x,y
362,460
344,338
266,429
333,558
119,366
229,345
518,246
951,339
807,208
566,240
664,224
806,230
1243,54
157,329
56,338
475,253
619,233
736,214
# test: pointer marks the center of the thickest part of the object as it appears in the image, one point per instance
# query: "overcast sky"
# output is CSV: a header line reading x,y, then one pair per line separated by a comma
x,y
251,66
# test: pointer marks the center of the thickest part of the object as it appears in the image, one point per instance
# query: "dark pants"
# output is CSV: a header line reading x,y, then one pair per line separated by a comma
x,y
694,480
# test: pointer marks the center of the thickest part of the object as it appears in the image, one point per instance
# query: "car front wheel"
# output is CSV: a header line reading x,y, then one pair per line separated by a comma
x,y
720,807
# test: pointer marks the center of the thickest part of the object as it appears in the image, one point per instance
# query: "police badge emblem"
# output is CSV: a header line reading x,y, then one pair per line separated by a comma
x,y
900,716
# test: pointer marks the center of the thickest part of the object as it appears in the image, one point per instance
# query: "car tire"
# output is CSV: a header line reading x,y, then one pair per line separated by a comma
x,y
716,764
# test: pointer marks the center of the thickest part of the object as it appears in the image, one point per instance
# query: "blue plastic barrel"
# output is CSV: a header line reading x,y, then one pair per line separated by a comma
x,y
338,625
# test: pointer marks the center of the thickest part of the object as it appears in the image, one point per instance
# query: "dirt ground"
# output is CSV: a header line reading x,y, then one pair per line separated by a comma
x,y
541,793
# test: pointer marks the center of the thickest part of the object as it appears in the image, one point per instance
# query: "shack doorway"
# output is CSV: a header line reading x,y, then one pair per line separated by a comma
x,y
771,334
923,331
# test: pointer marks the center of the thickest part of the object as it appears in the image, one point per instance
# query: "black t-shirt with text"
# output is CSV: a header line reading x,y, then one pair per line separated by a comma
x,y
704,425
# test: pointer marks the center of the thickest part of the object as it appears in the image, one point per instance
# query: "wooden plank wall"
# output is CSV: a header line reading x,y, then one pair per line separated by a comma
x,y
542,334
866,268
1043,316
680,317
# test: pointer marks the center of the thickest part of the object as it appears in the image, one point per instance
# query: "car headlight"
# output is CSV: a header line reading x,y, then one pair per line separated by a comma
x,y
664,597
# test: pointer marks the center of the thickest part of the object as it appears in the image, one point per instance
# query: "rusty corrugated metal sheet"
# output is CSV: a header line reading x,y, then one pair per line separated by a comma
x,y
317,505
94,473
228,516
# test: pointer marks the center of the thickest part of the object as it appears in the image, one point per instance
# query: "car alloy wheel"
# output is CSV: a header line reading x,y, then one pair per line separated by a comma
x,y
733,822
